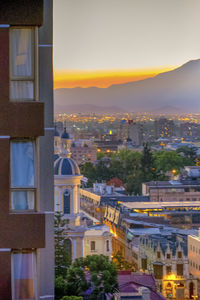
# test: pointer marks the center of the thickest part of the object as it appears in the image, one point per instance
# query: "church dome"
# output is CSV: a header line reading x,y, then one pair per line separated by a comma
x,y
56,156
66,166
65,135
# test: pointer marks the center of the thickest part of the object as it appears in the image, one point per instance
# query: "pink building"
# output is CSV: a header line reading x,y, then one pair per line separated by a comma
x,y
82,154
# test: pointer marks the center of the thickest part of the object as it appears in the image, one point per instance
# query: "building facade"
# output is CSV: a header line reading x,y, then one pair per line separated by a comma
x,y
166,258
26,143
84,153
185,188
80,238
164,128
194,258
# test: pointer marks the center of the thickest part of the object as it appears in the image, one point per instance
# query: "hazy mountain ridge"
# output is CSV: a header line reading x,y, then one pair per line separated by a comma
x,y
179,88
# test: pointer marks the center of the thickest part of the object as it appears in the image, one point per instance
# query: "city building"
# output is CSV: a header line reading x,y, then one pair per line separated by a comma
x,y
164,128
26,143
186,188
82,152
190,130
137,286
98,240
194,257
165,256
94,200
136,133
123,130
179,214
107,146
81,239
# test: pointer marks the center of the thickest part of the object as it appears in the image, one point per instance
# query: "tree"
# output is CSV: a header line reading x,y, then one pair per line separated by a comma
x,y
115,181
147,164
121,263
134,183
95,274
62,257
72,298
60,287
100,155
102,172
170,160
89,171
188,152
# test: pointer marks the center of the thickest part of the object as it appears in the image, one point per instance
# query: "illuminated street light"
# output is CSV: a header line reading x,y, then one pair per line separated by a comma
x,y
174,171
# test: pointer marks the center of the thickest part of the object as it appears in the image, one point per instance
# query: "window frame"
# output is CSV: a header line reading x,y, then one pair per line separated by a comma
x,y
167,270
35,74
35,188
158,254
107,246
92,243
179,255
34,252
168,256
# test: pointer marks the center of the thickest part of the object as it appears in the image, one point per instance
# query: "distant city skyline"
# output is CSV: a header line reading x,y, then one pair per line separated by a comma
x,y
98,43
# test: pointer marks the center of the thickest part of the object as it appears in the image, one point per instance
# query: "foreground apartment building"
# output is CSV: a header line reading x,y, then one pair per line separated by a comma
x,y
26,150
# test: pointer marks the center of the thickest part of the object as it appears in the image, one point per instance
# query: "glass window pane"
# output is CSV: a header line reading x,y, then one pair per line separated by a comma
x,y
23,267
21,90
22,164
22,52
22,200
66,202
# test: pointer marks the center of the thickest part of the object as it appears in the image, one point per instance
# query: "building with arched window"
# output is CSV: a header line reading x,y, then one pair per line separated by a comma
x,y
81,240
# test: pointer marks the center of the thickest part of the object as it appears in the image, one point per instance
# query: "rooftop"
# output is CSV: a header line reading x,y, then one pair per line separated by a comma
x,y
160,205
129,282
173,183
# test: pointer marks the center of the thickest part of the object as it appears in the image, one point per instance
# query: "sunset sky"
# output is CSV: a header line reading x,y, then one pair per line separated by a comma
x,y
104,42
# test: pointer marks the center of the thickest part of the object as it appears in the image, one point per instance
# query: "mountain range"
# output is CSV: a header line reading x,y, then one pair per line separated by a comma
x,y
176,91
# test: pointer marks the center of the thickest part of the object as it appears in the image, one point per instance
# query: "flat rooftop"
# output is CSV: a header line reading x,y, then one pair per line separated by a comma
x,y
160,205
173,183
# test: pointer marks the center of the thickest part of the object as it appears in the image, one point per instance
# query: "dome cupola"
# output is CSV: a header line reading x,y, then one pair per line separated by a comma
x,y
66,166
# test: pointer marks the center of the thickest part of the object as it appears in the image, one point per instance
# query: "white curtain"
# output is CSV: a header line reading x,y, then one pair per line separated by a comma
x,y
22,48
21,90
22,64
22,200
23,267
22,164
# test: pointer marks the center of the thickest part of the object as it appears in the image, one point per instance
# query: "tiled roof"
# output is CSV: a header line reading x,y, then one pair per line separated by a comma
x,y
130,282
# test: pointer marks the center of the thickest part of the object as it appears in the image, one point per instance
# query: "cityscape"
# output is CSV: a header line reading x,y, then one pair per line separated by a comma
x,y
100,150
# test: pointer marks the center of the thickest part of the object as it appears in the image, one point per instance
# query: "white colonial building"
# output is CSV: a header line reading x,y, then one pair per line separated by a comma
x,y
81,240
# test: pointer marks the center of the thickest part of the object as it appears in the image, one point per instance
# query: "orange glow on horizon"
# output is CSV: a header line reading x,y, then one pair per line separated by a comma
x,y
102,79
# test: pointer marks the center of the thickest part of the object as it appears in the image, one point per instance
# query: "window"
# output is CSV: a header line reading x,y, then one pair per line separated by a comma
x,y
158,271
168,256
144,264
92,246
22,64
68,247
22,175
23,275
158,254
107,246
66,197
179,268
179,254
168,270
